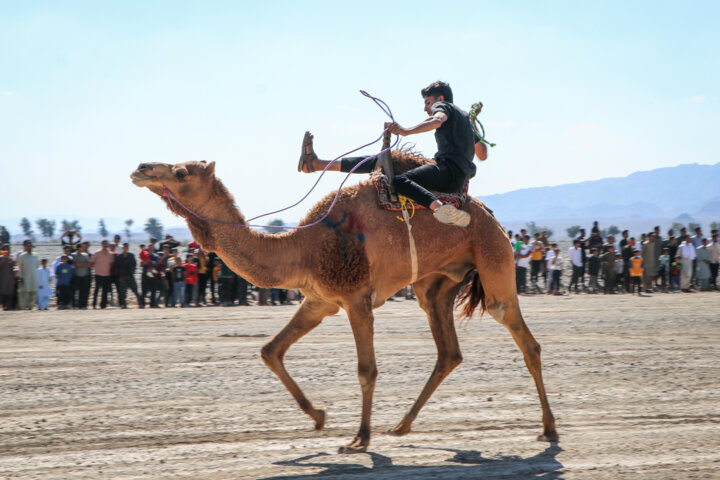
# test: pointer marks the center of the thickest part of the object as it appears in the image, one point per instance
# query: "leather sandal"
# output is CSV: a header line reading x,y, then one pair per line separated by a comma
x,y
307,155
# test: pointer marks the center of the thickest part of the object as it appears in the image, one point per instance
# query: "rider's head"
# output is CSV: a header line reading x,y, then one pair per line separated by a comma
x,y
436,92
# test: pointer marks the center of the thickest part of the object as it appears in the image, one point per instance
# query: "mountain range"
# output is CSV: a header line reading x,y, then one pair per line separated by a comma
x,y
663,193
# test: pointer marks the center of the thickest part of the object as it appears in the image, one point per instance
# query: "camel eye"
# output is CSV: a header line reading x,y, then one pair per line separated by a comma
x,y
180,174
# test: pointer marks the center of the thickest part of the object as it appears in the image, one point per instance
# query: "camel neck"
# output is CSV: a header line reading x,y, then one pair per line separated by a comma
x,y
265,260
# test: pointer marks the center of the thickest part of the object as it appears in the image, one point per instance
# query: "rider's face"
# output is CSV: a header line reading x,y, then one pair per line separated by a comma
x,y
430,101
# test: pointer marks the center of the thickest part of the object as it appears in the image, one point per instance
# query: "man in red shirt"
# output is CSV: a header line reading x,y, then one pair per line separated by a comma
x,y
191,280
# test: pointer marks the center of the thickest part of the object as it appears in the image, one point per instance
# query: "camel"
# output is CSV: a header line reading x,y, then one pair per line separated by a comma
x,y
356,259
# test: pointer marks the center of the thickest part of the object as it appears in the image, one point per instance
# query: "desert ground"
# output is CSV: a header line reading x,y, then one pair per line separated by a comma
x,y
178,394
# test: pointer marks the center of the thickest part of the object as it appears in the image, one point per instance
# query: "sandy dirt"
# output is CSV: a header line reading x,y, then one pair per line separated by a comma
x,y
171,394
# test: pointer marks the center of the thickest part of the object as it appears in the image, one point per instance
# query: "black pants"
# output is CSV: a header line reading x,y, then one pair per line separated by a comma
x,y
521,279
149,286
417,183
81,291
242,291
576,277
212,282
224,291
713,274
64,295
101,282
6,301
128,282
535,266
202,286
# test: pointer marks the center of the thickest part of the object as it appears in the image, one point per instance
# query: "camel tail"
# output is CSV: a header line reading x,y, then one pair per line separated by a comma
x,y
471,295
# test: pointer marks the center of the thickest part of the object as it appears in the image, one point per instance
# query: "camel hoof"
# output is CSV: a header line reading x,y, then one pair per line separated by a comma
x,y
548,437
358,445
319,417
352,448
398,431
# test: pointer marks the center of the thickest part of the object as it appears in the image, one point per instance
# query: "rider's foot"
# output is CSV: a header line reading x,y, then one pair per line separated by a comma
x,y
450,215
307,156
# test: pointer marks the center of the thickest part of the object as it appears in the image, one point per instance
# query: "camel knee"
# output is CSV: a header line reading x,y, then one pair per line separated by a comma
x,y
498,311
367,374
270,355
455,360
449,362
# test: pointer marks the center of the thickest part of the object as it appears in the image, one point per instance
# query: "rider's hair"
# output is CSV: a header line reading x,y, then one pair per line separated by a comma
x,y
436,89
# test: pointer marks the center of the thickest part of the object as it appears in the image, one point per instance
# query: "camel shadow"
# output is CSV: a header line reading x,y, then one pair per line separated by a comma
x,y
464,464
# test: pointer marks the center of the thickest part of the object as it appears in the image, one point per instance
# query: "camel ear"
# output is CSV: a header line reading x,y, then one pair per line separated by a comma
x,y
210,168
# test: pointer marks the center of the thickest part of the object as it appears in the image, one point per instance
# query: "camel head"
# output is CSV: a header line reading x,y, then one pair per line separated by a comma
x,y
189,181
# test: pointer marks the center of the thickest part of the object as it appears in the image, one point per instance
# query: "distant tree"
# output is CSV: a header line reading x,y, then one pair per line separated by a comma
x,y
573,231
611,230
714,226
692,226
74,225
102,230
27,228
128,224
277,223
154,228
46,227
532,229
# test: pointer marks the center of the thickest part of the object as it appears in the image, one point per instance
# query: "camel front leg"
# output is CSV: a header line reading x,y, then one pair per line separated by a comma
x,y
509,315
308,316
361,321
436,296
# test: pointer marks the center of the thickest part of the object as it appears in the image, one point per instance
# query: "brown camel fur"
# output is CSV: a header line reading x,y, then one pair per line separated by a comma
x,y
355,260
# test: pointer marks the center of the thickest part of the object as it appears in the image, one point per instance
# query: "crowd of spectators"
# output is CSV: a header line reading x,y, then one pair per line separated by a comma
x,y
164,276
683,263
160,276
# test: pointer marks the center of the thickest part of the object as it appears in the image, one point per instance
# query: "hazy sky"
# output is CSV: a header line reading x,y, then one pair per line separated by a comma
x,y
572,90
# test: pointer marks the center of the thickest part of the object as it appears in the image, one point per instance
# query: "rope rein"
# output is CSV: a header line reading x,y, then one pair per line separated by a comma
x,y
474,123
172,198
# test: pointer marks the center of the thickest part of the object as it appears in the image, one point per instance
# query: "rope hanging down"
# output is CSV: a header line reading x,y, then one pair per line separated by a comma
x,y
474,122
411,239
381,104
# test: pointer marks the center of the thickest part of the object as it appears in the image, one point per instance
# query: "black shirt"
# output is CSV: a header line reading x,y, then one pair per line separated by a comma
x,y
179,273
125,264
455,138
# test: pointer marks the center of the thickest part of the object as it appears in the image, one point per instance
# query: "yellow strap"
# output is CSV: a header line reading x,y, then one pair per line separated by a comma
x,y
403,207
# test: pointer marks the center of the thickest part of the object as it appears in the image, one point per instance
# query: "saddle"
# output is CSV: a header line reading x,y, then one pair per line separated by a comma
x,y
387,202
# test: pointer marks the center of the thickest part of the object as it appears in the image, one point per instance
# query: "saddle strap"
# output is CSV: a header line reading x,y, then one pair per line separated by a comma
x,y
413,250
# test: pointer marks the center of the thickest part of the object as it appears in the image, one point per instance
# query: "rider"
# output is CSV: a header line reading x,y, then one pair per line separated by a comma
x,y
453,162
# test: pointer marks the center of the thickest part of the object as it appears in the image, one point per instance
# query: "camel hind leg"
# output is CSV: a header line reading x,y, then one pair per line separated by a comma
x,y
307,317
436,296
508,313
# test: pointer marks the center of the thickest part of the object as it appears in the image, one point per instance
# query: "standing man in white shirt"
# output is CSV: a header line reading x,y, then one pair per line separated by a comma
x,y
523,262
687,254
575,254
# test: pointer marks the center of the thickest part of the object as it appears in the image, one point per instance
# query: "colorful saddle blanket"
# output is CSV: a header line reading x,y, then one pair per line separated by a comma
x,y
383,189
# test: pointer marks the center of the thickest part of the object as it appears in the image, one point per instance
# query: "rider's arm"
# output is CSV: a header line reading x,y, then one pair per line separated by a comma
x,y
430,123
